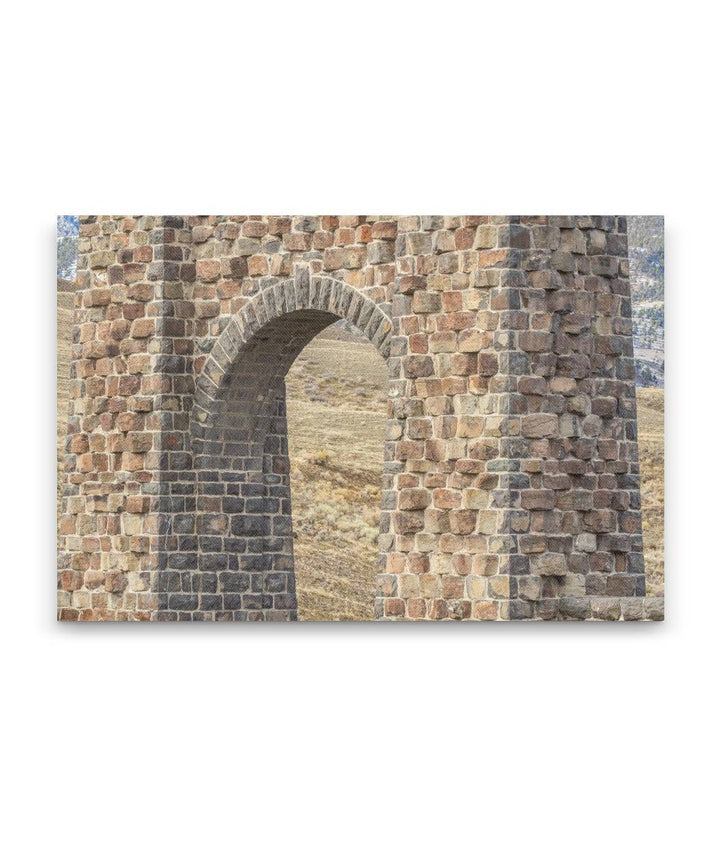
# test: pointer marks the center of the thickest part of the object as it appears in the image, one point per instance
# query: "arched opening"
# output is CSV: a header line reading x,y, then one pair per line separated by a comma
x,y
245,556
337,407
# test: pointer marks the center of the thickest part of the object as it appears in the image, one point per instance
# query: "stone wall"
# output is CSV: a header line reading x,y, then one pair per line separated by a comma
x,y
510,487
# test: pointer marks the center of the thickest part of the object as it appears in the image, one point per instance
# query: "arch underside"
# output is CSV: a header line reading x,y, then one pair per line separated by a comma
x,y
239,440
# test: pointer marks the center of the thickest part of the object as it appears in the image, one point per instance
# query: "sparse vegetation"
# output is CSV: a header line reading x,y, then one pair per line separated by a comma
x,y
651,443
336,449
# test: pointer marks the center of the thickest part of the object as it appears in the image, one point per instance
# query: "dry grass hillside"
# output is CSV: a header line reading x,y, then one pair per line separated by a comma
x,y
337,410
651,446
336,415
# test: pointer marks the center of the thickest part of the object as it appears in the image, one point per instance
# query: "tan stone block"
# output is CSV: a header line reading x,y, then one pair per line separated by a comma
x,y
208,308
530,587
462,521
485,565
535,341
549,564
444,498
208,270
476,587
487,522
486,610
416,608
129,422
395,607
384,230
563,385
452,587
472,341
499,585
436,520
408,585
407,522
137,504
487,365
470,426
254,229
139,364
540,425
475,498
429,585
132,524
142,291
441,564
101,259
258,266
414,498
486,237
395,563
533,543
97,297
94,579
142,328
443,342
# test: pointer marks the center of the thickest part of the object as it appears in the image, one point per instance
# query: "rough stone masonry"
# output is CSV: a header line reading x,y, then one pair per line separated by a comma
x,y
510,488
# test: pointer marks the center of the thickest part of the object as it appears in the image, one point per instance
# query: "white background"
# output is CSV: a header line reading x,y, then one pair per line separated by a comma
x,y
350,739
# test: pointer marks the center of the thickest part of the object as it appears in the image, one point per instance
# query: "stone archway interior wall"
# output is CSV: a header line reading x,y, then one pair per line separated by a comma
x,y
511,485
243,567
245,555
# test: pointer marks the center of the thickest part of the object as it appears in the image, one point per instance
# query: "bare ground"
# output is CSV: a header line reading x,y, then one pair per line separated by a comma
x,y
651,447
337,409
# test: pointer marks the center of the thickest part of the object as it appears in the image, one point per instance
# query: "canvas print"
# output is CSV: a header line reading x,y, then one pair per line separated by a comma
x,y
360,418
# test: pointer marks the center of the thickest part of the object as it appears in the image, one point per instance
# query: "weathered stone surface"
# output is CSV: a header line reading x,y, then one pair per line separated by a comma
x,y
550,564
511,481
540,425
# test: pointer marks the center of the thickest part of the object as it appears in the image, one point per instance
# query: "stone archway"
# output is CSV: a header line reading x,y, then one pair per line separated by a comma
x,y
511,486
238,432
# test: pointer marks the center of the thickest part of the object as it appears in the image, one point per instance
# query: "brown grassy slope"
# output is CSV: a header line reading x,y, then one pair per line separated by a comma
x,y
337,408
651,443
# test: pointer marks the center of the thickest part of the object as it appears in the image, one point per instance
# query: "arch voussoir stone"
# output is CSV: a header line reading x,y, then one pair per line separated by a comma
x,y
289,289
320,293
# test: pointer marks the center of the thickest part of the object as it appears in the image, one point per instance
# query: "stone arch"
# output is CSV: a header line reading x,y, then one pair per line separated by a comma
x,y
238,432
511,486
304,300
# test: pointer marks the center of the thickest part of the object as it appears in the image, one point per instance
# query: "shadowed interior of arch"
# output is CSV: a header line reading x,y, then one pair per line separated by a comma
x,y
245,528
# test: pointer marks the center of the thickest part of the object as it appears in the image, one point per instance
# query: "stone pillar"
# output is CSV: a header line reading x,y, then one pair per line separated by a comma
x,y
576,520
447,408
109,511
